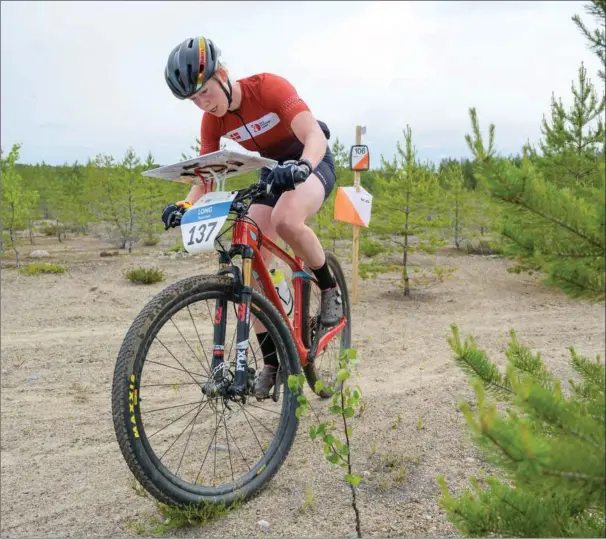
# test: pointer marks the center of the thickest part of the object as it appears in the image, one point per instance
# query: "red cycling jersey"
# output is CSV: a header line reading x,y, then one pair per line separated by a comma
x,y
269,103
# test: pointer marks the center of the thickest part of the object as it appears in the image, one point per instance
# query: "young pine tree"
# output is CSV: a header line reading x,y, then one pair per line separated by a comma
x,y
574,139
121,190
545,226
18,201
597,37
547,446
406,206
150,202
456,199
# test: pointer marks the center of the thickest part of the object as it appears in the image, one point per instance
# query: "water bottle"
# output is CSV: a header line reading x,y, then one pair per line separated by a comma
x,y
281,286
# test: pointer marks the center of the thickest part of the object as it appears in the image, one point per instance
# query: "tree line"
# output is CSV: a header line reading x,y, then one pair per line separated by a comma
x,y
544,206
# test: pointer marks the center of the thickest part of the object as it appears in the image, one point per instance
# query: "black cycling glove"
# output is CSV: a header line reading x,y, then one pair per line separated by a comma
x,y
171,215
286,176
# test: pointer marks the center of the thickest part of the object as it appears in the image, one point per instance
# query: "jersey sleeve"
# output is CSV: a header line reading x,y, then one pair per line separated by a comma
x,y
280,96
210,135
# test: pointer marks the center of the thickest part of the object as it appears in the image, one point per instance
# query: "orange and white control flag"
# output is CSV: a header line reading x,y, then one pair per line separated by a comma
x,y
352,206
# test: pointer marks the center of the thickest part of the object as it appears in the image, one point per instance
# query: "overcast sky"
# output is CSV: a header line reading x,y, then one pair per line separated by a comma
x,y
81,78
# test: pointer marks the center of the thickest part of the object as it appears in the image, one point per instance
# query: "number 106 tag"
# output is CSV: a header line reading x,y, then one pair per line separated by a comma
x,y
203,221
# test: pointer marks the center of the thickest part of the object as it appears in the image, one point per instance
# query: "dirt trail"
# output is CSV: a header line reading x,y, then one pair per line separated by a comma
x,y
63,473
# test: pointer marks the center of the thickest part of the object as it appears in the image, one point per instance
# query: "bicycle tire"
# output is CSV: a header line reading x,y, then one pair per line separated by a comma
x,y
310,371
135,450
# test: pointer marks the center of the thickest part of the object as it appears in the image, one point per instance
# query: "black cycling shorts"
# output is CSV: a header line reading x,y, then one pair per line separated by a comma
x,y
325,171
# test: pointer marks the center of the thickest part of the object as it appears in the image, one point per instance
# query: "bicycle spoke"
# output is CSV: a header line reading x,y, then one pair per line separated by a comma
x,y
191,421
192,350
231,464
264,409
240,451
170,407
178,360
198,334
193,424
173,384
253,431
215,446
231,347
258,421
177,369
172,422
206,454
212,318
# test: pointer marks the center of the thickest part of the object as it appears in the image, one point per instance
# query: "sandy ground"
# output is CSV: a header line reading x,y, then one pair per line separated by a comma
x,y
63,473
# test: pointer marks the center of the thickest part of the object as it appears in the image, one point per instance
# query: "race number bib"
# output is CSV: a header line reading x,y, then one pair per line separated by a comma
x,y
203,221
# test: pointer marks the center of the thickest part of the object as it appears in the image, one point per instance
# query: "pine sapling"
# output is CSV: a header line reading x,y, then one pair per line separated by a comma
x,y
344,402
548,447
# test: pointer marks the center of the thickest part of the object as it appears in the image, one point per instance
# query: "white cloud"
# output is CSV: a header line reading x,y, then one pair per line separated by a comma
x,y
82,78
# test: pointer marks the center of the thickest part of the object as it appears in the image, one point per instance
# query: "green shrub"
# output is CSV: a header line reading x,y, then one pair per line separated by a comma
x,y
52,229
370,248
41,267
150,242
145,275
177,247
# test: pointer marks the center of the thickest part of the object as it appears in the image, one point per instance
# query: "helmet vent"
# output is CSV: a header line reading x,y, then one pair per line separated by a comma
x,y
190,44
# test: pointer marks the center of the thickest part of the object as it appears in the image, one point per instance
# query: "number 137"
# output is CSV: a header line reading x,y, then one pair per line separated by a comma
x,y
202,230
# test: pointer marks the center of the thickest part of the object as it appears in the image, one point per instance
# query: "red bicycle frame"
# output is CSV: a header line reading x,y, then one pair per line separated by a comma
x,y
246,234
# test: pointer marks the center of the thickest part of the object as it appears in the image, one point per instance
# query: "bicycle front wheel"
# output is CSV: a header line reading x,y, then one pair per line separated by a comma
x,y
185,446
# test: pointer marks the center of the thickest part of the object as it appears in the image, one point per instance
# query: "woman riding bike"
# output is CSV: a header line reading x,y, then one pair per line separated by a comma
x,y
262,113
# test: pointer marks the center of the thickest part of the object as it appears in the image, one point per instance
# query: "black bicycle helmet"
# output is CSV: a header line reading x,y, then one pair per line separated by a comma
x,y
190,65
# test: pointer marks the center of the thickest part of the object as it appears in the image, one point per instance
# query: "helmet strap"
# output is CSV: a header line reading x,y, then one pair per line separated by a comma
x,y
228,95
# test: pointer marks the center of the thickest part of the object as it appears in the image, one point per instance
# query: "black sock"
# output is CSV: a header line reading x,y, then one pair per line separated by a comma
x,y
268,349
325,279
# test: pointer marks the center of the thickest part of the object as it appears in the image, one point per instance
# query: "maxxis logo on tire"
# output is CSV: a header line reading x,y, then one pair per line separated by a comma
x,y
132,402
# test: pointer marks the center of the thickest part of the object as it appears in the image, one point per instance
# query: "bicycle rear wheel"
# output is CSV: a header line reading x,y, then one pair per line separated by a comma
x,y
177,454
325,365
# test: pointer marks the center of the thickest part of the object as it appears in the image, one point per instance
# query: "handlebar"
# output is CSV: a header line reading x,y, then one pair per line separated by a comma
x,y
247,196
256,191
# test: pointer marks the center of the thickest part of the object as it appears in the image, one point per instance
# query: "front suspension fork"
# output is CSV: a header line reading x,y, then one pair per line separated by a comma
x,y
219,383
219,365
242,328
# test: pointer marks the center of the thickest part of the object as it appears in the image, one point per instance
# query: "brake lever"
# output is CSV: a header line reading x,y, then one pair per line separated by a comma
x,y
263,185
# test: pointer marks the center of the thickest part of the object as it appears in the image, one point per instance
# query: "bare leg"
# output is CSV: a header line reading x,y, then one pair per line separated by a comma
x,y
289,216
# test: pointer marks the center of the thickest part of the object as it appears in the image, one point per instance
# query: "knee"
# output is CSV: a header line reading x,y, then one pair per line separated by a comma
x,y
286,226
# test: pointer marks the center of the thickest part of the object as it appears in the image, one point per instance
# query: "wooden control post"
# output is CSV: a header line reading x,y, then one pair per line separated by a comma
x,y
356,228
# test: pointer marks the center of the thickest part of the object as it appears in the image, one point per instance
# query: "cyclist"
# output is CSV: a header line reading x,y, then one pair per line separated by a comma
x,y
263,113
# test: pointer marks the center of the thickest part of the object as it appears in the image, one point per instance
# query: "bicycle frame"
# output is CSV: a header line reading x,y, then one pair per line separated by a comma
x,y
245,234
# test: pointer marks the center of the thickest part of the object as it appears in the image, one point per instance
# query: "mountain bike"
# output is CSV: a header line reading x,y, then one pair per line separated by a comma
x,y
176,456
